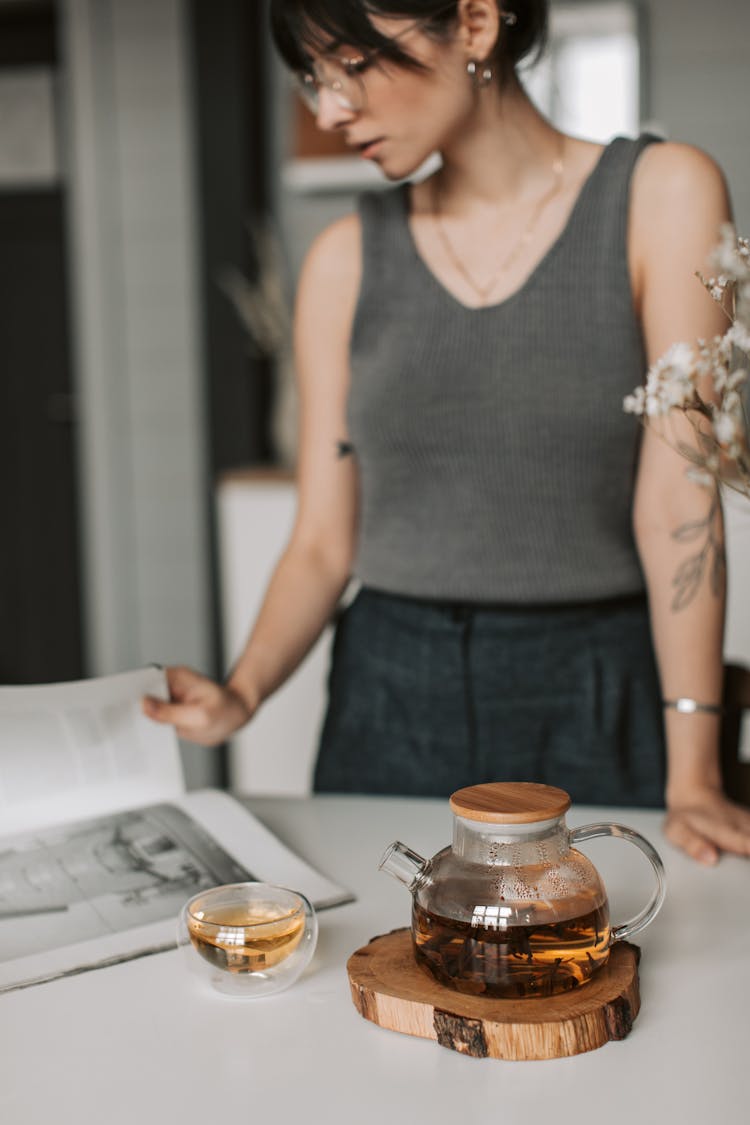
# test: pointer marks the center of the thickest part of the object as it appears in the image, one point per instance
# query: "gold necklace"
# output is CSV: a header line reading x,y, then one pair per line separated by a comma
x,y
483,291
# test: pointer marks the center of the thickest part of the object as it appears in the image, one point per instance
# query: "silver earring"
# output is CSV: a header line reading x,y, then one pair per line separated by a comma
x,y
510,19
482,78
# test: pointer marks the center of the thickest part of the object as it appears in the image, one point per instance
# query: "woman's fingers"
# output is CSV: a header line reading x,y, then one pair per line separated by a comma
x,y
191,721
679,832
185,683
187,715
199,709
185,686
731,833
703,831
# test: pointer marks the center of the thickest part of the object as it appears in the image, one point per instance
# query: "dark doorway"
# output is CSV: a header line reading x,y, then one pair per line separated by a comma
x,y
230,55
40,604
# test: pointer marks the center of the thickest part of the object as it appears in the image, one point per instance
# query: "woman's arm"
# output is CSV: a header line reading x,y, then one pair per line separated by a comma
x,y
679,203
315,566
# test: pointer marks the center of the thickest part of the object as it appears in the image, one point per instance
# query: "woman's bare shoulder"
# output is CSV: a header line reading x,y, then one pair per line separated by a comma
x,y
678,207
671,178
328,285
679,202
335,255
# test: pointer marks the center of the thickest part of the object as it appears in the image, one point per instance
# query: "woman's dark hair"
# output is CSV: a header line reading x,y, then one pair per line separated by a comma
x,y
302,28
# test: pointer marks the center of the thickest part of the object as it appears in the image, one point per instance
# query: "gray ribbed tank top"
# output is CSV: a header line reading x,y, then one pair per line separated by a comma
x,y
496,463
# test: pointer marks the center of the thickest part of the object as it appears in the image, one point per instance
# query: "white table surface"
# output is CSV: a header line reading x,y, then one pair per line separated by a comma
x,y
142,1043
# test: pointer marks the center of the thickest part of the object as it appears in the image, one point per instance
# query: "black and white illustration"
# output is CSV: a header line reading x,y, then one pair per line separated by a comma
x,y
71,883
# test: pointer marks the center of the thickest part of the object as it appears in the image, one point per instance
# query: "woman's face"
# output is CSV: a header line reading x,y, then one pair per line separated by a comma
x,y
405,114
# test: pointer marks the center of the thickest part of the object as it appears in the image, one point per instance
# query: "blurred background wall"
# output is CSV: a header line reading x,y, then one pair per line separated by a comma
x,y
143,145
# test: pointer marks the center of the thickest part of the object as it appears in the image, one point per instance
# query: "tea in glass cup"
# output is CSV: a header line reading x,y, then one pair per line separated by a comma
x,y
248,939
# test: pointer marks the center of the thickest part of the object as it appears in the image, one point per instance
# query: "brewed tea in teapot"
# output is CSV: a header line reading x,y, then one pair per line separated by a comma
x,y
511,908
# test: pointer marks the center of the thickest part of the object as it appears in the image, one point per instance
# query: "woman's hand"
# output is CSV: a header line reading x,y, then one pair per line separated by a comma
x,y
708,824
199,709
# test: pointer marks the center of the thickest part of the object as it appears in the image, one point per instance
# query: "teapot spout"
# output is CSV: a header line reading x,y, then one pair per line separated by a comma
x,y
403,864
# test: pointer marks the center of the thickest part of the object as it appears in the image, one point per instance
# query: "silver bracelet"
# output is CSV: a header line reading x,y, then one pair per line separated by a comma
x,y
687,706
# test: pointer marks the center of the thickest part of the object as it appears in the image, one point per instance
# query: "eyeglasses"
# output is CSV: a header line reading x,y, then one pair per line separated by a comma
x,y
341,77
344,78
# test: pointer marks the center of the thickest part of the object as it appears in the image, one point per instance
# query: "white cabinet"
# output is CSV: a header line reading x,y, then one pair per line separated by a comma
x,y
275,753
737,516
737,640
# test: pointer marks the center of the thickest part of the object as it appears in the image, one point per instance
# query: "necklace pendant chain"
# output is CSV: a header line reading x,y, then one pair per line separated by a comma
x,y
484,289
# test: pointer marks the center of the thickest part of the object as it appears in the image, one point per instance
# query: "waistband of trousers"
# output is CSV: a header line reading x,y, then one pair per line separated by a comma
x,y
459,611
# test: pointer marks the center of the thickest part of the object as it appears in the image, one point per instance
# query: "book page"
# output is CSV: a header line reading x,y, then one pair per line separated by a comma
x,y
256,847
109,889
75,882
75,750
100,846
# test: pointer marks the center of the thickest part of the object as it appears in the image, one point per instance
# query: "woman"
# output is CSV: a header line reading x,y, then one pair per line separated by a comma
x,y
463,347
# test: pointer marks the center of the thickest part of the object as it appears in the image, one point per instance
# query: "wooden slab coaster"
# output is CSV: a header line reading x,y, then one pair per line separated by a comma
x,y
392,990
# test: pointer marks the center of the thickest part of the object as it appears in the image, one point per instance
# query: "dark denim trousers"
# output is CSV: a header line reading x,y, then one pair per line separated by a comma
x,y
427,697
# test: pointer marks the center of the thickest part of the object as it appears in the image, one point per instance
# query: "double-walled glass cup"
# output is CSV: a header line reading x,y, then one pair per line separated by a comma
x,y
248,939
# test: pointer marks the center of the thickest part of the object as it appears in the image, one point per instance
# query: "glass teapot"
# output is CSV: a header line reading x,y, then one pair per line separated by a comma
x,y
511,908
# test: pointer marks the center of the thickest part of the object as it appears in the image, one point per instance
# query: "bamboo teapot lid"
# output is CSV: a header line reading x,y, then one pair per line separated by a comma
x,y
510,802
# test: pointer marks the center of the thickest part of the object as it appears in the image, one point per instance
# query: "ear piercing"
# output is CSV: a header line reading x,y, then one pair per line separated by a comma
x,y
482,78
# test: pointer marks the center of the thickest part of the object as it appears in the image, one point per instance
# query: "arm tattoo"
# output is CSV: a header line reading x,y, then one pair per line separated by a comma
x,y
709,560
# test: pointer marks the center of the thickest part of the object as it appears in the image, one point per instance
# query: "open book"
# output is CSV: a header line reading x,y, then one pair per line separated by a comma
x,y
100,844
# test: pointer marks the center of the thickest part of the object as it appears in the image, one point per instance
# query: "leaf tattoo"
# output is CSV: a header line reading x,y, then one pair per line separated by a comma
x,y
710,558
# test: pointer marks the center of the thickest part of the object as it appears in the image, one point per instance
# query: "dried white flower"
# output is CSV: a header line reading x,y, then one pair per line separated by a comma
x,y
723,348
680,358
635,403
739,336
731,256
701,382
727,428
671,381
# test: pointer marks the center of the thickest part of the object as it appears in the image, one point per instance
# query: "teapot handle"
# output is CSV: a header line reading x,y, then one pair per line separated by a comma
x,y
619,831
